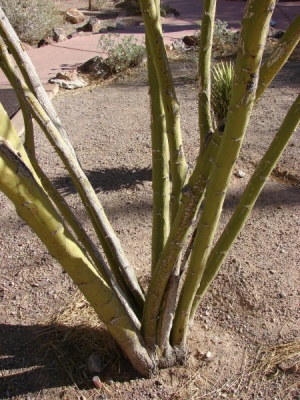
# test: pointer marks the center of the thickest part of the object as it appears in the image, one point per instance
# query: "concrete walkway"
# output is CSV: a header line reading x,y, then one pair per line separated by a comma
x,y
67,55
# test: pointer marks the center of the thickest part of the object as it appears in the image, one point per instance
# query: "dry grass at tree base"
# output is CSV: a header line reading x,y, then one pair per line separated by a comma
x,y
74,332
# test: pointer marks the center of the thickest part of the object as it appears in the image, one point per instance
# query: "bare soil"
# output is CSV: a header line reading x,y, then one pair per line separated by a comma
x,y
47,330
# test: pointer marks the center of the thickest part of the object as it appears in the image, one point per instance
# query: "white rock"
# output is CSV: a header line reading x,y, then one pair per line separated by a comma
x,y
241,173
178,45
79,83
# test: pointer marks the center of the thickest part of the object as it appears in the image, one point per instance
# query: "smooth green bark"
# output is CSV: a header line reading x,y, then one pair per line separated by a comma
x,y
279,56
19,183
247,201
105,233
252,40
110,243
160,168
205,48
11,74
169,261
178,165
29,74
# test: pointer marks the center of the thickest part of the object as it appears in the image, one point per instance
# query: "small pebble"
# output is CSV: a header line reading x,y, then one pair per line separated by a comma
x,y
214,339
97,382
240,174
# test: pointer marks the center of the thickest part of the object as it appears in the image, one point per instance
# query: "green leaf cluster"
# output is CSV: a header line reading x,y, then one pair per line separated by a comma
x,y
121,52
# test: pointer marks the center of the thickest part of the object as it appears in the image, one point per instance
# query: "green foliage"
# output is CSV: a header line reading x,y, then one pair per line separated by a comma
x,y
31,19
165,9
132,6
122,53
225,40
97,4
222,78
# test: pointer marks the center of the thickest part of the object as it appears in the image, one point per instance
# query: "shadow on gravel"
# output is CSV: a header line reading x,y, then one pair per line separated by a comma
x,y
108,179
289,76
38,357
281,196
114,179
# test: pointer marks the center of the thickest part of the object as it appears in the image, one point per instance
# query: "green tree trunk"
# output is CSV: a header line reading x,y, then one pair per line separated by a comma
x,y
20,184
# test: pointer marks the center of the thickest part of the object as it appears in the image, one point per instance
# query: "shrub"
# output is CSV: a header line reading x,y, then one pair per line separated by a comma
x,y
97,4
132,6
225,40
122,53
31,19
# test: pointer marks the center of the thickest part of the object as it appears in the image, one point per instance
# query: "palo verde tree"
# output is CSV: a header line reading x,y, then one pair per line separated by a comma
x,y
151,325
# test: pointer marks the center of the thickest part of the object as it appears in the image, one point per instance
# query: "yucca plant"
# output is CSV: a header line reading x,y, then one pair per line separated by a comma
x,y
221,87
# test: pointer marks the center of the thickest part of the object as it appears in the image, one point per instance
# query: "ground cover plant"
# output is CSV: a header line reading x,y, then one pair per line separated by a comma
x,y
32,19
152,326
96,4
121,53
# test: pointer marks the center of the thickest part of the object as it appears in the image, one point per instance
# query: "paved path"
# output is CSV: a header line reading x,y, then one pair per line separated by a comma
x,y
67,55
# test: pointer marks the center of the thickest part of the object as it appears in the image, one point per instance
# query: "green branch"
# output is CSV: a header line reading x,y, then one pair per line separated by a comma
x,y
279,56
55,196
252,40
29,74
169,261
178,165
247,201
11,74
111,246
160,167
205,47
22,187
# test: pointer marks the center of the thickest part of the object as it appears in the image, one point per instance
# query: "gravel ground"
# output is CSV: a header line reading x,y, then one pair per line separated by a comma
x,y
252,306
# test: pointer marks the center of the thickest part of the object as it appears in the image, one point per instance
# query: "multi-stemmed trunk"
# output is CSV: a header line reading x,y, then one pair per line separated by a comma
x,y
151,326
